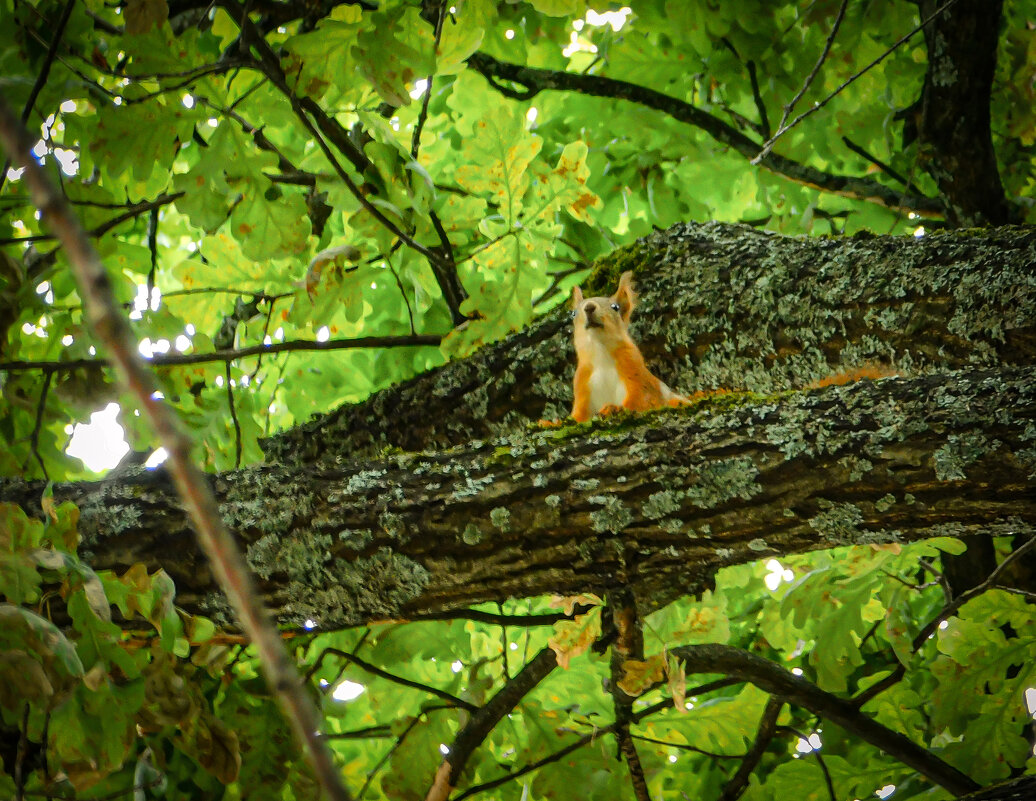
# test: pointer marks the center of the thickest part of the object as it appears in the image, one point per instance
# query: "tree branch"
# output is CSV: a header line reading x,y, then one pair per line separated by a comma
x,y
538,80
777,681
767,729
483,721
764,153
991,582
725,482
179,360
374,670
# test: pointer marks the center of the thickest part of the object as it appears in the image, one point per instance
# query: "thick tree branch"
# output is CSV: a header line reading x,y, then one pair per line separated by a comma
x,y
656,501
536,80
953,116
723,306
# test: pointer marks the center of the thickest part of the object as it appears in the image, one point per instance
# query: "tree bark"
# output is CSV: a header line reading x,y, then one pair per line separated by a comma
x,y
654,502
723,306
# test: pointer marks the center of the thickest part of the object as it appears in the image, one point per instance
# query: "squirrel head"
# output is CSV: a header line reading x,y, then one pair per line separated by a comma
x,y
604,319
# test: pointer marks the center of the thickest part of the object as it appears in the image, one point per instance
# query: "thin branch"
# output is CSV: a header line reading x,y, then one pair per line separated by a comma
x,y
881,165
638,716
380,732
422,117
686,747
1016,591
764,120
816,67
176,360
858,188
152,246
271,302
764,153
820,761
485,720
774,679
374,670
225,559
767,729
134,210
388,755
34,440
233,417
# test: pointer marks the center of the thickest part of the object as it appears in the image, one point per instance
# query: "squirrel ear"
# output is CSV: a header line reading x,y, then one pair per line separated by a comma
x,y
625,296
577,297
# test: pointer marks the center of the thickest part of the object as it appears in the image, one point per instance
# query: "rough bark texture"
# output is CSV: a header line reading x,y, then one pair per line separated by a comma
x,y
724,306
657,502
953,113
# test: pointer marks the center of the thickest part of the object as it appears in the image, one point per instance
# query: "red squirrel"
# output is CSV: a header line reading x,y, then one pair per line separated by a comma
x,y
611,373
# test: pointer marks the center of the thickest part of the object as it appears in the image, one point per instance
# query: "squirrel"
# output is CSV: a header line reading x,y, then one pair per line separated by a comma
x,y
611,373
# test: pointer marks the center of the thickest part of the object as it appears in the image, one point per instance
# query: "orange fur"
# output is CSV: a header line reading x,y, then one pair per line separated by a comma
x,y
870,371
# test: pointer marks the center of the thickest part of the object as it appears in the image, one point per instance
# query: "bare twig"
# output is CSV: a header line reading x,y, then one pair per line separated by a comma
x,y
881,165
178,360
422,117
764,120
820,760
388,755
768,145
686,747
374,670
816,67
224,557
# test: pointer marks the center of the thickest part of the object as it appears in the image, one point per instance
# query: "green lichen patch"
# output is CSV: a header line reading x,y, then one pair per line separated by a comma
x,y
723,480
959,452
660,504
501,518
613,517
347,592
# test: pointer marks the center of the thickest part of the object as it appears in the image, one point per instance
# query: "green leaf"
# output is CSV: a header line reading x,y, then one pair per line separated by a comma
x,y
398,49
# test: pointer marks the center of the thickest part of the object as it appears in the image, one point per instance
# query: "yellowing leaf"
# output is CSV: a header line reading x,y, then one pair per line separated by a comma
x,y
573,637
638,677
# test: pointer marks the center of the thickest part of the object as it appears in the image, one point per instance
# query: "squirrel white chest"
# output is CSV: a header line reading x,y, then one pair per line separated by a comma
x,y
606,387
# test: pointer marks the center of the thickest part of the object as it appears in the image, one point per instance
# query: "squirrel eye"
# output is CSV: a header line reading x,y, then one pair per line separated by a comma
x,y
572,314
615,306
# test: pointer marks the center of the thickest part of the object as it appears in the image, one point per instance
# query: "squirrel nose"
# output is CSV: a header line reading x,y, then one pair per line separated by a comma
x,y
590,308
